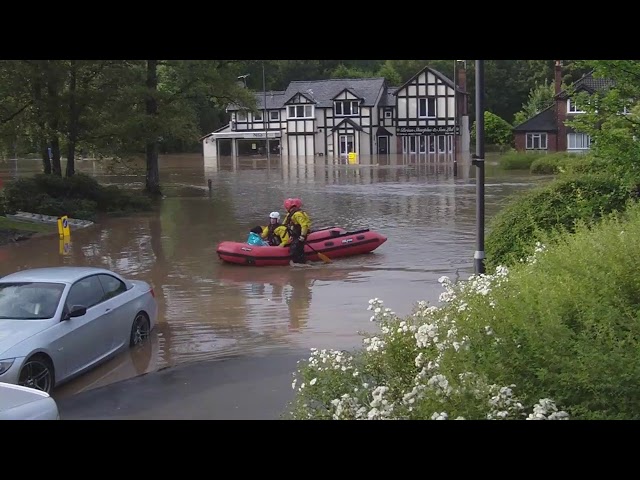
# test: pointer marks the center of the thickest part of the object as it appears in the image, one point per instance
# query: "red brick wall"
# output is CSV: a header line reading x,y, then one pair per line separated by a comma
x,y
561,115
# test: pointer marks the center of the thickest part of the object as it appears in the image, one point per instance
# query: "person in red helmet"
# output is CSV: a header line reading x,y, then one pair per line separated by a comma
x,y
298,225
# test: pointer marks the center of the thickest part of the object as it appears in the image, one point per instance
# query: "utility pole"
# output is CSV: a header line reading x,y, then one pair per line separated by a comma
x,y
264,115
478,161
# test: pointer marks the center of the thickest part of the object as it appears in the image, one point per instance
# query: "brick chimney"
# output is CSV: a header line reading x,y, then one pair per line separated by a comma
x,y
561,110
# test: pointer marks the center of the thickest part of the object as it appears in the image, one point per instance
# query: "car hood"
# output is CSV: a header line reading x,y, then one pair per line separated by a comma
x,y
12,396
13,332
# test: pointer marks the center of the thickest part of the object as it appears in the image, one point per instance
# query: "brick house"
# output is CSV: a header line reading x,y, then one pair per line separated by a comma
x,y
547,130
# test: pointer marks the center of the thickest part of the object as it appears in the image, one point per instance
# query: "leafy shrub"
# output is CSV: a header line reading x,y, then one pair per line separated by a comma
x,y
79,196
518,160
554,207
563,162
497,131
561,328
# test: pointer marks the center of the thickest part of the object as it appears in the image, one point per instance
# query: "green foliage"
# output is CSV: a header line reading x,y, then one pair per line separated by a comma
x,y
612,134
551,209
79,196
342,71
519,160
540,98
561,330
497,131
390,74
564,162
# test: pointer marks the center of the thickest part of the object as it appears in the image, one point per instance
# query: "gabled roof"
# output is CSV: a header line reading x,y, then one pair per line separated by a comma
x,y
344,90
324,91
545,121
588,83
446,80
307,95
349,122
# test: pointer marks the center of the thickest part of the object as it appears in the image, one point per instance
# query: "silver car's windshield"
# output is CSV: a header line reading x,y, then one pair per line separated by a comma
x,y
29,300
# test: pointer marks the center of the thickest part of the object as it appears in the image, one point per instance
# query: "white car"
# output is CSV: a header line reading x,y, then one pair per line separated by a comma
x,y
24,403
57,323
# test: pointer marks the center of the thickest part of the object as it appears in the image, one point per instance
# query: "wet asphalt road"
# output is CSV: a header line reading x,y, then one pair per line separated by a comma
x,y
256,387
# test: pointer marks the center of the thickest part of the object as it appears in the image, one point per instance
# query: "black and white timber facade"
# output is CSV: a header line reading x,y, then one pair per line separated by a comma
x,y
426,115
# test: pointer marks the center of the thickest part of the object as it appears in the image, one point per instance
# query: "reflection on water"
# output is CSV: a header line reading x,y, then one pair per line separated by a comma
x,y
210,309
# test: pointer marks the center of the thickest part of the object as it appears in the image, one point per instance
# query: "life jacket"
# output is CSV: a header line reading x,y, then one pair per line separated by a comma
x,y
294,229
272,238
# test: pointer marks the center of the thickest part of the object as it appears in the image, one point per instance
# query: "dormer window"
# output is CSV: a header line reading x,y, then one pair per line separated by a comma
x,y
346,108
573,108
300,111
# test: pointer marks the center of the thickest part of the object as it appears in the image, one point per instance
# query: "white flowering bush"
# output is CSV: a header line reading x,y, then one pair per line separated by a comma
x,y
555,337
405,371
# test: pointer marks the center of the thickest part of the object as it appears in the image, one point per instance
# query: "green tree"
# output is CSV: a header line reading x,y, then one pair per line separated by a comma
x,y
343,71
540,97
613,133
497,131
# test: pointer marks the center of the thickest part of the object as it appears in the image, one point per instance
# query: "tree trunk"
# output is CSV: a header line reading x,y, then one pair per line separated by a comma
x,y
153,174
42,142
52,91
73,122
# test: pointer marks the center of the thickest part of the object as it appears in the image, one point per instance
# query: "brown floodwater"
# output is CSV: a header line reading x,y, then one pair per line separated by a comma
x,y
209,309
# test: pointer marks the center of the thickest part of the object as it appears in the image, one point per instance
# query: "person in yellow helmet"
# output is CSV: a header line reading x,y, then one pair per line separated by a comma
x,y
275,233
298,225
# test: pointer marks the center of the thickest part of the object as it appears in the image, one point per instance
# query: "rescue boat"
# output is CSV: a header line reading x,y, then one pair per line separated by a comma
x,y
334,242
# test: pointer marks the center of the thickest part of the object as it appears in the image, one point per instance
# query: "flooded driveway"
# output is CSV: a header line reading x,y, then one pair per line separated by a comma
x,y
209,309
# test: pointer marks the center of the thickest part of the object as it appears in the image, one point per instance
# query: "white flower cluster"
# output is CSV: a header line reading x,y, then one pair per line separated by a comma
x,y
546,409
379,312
428,334
537,251
503,404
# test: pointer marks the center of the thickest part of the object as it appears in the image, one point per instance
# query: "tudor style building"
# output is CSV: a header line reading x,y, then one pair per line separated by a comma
x,y
547,130
426,115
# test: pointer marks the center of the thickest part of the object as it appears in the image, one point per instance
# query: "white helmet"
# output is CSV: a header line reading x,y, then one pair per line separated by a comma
x,y
274,215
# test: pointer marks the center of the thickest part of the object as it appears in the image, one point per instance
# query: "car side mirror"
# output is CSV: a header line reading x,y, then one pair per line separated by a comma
x,y
76,311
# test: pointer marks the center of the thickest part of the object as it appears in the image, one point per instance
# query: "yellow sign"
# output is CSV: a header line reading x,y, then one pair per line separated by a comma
x,y
65,245
63,227
352,157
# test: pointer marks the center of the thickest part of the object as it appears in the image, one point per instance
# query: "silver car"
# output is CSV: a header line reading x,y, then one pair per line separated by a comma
x,y
56,323
23,403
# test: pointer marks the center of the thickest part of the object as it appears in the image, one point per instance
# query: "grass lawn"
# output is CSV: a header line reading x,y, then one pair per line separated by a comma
x,y
15,230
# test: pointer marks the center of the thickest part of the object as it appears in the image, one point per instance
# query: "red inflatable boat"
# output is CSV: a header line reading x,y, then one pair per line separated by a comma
x,y
334,242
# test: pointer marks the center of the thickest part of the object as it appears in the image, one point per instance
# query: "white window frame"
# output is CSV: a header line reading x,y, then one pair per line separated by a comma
x,y
338,108
543,139
241,116
427,112
387,114
274,115
257,116
306,109
571,107
574,144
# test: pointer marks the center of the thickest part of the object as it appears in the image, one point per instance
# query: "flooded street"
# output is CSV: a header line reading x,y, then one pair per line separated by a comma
x,y
208,309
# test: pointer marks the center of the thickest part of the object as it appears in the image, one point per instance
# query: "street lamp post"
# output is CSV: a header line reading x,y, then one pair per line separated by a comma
x,y
264,114
478,161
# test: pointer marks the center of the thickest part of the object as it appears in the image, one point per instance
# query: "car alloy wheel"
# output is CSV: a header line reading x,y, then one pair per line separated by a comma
x,y
36,373
140,330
